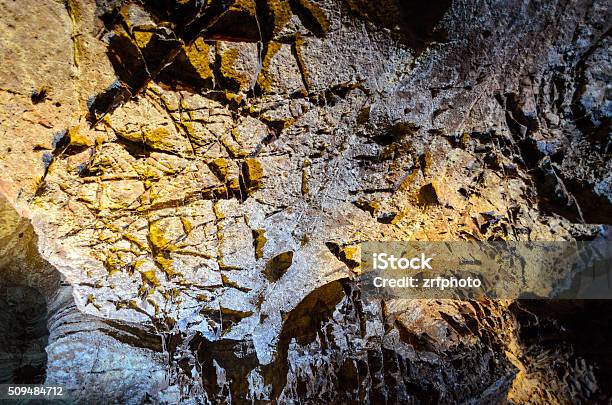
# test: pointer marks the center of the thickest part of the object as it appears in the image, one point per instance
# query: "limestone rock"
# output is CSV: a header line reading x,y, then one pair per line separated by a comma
x,y
192,180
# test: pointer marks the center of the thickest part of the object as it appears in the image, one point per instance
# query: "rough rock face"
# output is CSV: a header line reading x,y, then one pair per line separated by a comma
x,y
192,180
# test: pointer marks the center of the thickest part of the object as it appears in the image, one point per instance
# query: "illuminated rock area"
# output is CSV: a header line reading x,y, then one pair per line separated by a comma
x,y
186,185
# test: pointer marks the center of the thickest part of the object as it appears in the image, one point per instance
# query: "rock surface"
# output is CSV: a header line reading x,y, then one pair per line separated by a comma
x,y
192,181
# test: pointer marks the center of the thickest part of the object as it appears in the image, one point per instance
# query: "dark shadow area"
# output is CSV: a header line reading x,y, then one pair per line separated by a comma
x,y
414,22
23,335
568,341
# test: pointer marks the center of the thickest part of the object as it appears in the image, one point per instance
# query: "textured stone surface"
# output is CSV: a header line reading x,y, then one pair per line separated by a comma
x,y
199,177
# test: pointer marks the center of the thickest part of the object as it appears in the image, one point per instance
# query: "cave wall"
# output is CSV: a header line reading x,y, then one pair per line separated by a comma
x,y
197,177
